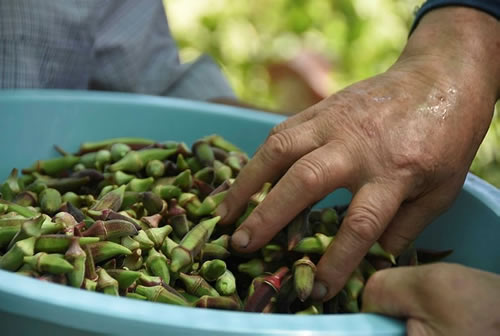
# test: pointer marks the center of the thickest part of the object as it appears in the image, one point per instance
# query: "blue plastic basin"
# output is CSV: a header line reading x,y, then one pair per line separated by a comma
x,y
33,121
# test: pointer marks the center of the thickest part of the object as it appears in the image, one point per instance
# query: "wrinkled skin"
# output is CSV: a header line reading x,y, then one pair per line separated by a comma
x,y
437,299
401,142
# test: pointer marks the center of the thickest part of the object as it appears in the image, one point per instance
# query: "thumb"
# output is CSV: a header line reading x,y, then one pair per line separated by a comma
x,y
392,292
397,292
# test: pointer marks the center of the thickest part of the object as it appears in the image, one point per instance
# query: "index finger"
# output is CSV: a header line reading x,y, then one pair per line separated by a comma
x,y
272,160
369,213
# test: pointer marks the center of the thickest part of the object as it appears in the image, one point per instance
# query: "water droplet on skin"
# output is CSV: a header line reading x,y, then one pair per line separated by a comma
x,y
439,103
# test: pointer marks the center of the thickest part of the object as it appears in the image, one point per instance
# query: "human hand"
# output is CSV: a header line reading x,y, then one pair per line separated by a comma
x,y
437,299
401,142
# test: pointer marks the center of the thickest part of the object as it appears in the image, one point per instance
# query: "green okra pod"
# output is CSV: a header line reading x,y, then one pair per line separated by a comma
x,y
134,261
377,251
219,142
48,263
152,202
155,168
103,250
213,251
184,180
62,221
26,198
136,296
190,202
59,243
129,243
53,166
114,228
315,244
10,188
19,209
203,152
180,224
210,203
254,201
194,164
77,257
226,284
355,284
167,192
118,151
196,285
89,285
50,200
167,246
9,227
144,241
103,157
30,228
211,270
206,175
192,243
140,184
158,235
129,141
157,265
304,272
181,162
134,161
217,302
14,257
222,172
222,241
120,178
254,267
125,278
160,294
106,283
112,200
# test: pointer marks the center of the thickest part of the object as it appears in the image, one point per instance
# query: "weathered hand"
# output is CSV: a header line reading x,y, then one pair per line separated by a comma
x,y
401,142
437,299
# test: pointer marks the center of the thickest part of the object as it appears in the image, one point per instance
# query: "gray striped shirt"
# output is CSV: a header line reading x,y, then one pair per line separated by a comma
x,y
115,45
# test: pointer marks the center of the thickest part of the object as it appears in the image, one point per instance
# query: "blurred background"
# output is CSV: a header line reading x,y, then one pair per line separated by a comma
x,y
285,55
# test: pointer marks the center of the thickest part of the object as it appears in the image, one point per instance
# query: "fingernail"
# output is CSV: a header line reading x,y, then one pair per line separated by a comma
x,y
319,291
221,211
240,238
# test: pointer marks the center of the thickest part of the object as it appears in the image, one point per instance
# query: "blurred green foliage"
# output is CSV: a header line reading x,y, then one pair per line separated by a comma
x,y
359,38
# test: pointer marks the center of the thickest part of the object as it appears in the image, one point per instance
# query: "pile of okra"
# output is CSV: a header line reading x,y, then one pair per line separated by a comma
x,y
136,218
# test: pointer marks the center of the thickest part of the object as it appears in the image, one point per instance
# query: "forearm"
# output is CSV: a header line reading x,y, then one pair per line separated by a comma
x,y
464,42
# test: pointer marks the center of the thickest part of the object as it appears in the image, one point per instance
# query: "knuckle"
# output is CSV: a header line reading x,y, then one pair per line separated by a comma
x,y
364,224
277,128
417,162
310,174
277,144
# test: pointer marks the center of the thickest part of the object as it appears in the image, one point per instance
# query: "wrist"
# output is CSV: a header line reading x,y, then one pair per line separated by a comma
x,y
460,45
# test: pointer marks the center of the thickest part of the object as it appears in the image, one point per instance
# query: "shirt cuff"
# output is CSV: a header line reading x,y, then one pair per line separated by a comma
x,y
491,7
